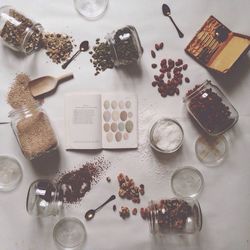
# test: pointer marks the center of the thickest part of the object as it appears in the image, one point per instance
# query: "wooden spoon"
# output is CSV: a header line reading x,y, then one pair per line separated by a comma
x,y
46,84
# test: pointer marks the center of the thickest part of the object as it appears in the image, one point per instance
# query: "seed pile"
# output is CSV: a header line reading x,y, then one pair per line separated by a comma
x,y
14,34
19,94
59,46
36,135
101,57
172,70
76,183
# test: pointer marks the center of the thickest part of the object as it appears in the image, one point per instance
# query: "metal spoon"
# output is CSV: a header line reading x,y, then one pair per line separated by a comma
x,y
84,46
166,12
91,213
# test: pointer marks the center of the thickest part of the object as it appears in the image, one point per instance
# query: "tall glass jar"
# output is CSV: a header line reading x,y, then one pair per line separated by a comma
x,y
125,46
211,109
44,199
19,32
33,131
181,216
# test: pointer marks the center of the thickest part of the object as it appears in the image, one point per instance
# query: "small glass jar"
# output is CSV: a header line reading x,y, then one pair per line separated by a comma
x,y
180,216
44,199
19,32
33,131
211,109
125,46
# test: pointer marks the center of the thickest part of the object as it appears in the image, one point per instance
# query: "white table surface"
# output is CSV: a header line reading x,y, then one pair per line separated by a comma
x,y
225,200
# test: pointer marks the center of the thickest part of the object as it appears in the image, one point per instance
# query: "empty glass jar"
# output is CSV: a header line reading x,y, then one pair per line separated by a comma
x,y
125,45
33,131
19,32
44,199
181,216
211,109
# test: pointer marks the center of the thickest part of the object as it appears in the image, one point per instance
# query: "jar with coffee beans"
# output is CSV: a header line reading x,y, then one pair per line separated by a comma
x,y
19,32
210,108
125,46
178,216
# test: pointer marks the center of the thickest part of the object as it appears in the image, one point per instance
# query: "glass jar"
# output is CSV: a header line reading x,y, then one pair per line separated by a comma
x,y
44,199
33,131
181,216
125,46
210,108
19,32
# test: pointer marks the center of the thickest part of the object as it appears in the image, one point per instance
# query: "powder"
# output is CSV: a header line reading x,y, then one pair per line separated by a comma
x,y
167,135
36,135
19,94
76,183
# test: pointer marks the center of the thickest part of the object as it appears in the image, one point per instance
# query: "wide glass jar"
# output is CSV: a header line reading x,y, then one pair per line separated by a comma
x,y
181,216
211,109
19,32
44,198
125,46
33,131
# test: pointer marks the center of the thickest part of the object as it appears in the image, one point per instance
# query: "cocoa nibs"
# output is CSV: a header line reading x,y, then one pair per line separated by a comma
x,y
76,183
170,75
59,46
128,189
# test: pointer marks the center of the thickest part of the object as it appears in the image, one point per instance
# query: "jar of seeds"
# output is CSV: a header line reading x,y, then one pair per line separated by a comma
x,y
125,46
179,216
33,131
18,32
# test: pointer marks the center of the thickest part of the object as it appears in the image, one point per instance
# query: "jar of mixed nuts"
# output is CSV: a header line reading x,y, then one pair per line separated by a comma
x,y
210,108
19,32
33,131
181,216
125,46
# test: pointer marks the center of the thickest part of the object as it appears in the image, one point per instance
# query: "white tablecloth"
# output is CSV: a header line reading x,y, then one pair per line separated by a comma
x,y
225,200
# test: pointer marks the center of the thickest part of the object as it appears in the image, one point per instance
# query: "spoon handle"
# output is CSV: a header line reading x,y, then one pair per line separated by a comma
x,y
112,197
65,77
65,65
181,35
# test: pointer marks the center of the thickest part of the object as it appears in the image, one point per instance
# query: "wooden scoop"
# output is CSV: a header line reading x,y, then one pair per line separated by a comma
x,y
46,84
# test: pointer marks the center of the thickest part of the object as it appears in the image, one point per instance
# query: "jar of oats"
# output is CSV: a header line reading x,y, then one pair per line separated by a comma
x,y
19,32
33,131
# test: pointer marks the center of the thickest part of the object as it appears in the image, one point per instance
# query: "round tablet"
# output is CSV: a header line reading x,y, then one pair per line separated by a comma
x,y
114,127
121,126
124,115
106,127
10,173
118,136
106,116
114,104
106,104
69,233
187,182
129,126
211,151
115,115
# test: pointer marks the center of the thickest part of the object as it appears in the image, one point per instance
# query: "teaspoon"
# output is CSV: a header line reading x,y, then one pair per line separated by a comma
x,y
84,46
89,215
166,12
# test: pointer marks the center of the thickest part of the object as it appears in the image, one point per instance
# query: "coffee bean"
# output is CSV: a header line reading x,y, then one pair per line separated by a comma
x,y
154,65
153,54
154,83
161,76
185,66
187,80
157,47
161,45
156,78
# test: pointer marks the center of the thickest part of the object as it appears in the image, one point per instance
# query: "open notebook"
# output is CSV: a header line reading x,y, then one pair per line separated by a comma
x,y
96,121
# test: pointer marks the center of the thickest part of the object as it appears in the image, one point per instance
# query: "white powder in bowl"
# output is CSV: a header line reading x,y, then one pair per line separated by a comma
x,y
167,135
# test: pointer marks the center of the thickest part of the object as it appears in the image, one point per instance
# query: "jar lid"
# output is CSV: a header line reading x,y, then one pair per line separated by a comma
x,y
211,151
69,233
10,173
187,182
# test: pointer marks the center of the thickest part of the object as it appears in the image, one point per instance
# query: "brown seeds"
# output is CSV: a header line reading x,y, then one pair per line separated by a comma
x,y
124,212
153,54
154,65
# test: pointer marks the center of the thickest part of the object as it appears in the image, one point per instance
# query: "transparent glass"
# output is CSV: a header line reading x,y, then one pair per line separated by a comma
x,y
33,131
211,109
19,32
44,199
175,216
125,45
91,9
